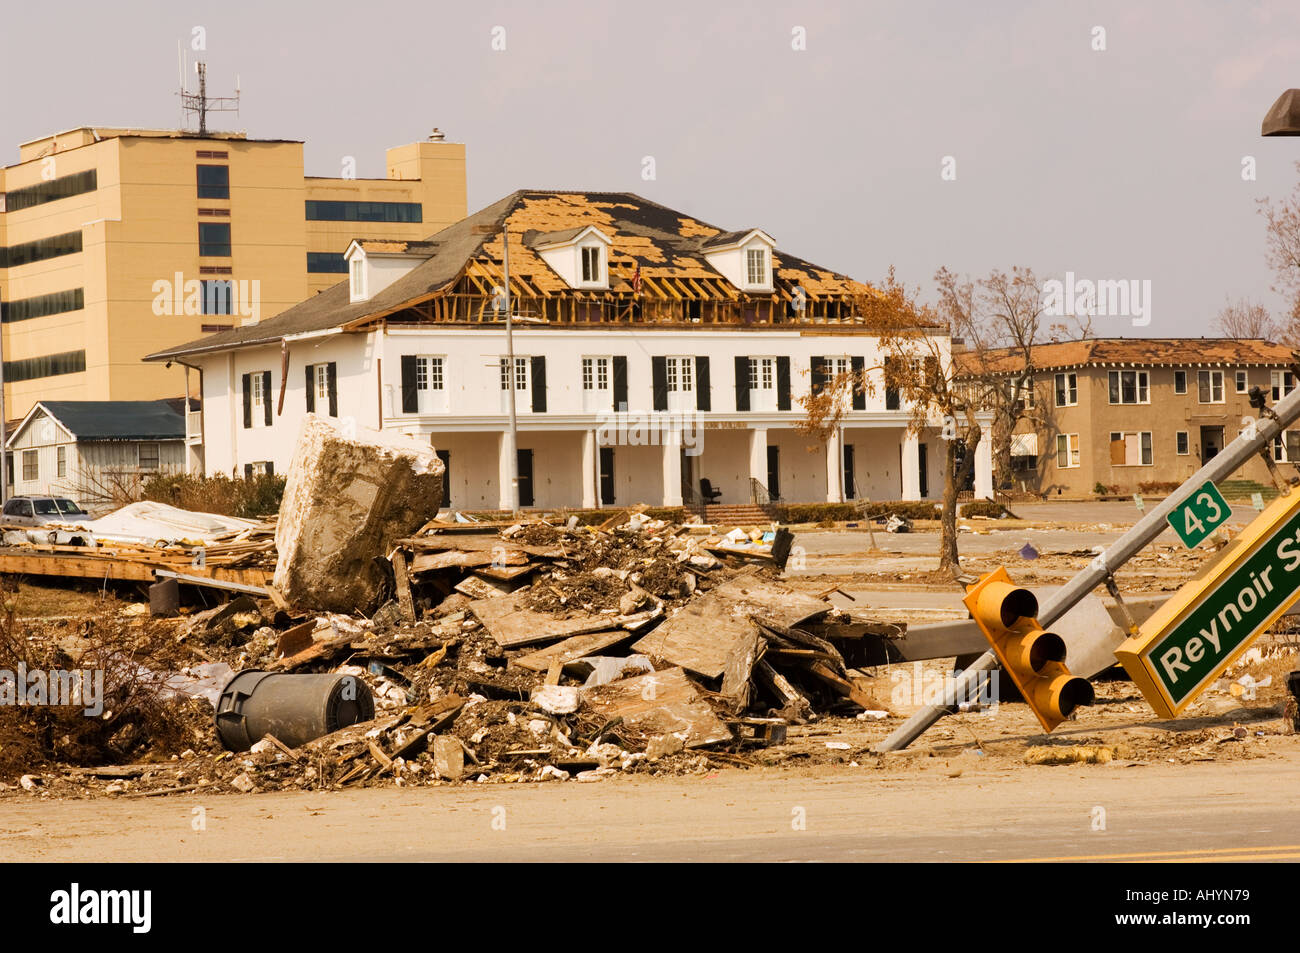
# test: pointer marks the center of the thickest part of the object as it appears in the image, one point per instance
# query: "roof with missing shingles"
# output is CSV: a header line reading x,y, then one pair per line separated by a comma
x,y
658,241
1136,352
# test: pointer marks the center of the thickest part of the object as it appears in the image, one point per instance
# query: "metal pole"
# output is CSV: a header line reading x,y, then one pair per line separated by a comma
x,y
512,450
1235,454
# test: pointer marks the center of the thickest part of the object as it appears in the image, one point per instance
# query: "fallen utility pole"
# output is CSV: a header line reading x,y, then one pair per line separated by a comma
x,y
1251,441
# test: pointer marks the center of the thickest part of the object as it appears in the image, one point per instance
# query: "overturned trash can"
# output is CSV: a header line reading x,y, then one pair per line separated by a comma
x,y
294,708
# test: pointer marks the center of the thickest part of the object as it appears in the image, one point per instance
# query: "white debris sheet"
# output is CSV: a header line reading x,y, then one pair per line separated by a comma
x,y
157,524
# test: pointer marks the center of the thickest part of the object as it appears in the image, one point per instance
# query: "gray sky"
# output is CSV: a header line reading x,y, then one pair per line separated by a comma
x,y
1123,163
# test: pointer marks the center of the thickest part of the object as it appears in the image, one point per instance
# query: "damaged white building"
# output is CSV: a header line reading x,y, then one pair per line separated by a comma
x,y
658,359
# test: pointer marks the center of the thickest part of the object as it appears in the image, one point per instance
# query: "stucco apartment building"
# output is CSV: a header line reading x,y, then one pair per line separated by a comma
x,y
116,242
1122,412
652,351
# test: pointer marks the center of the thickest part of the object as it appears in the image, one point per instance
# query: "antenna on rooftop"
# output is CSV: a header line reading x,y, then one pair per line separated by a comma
x,y
200,102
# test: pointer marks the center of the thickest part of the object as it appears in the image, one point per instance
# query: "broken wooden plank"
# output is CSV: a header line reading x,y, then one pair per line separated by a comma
x,y
739,666
702,636
655,704
403,585
456,559
794,705
295,640
476,587
511,623
571,649
840,685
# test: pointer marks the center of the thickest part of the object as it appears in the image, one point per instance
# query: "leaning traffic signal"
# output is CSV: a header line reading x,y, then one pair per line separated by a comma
x,y
1033,657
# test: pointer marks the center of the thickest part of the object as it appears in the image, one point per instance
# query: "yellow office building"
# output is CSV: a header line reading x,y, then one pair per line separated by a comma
x,y
115,243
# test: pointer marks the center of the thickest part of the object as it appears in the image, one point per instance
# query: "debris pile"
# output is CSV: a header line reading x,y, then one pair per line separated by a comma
x,y
530,652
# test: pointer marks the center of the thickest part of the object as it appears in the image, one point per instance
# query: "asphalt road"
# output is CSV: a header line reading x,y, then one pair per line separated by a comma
x,y
904,812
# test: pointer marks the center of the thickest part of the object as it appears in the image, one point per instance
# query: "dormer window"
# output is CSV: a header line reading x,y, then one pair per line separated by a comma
x,y
579,255
358,279
591,271
744,258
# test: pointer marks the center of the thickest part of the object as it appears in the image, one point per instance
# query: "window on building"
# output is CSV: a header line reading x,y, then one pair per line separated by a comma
x,y
1067,451
591,264
1130,449
1286,447
57,302
63,187
149,456
1067,389
258,396
326,263
756,270
1241,382
55,246
317,211
358,278
1209,387
49,365
214,181
61,460
215,328
217,296
1183,444
681,374
321,375
521,373
762,373
595,373
1180,382
1283,383
1130,387
214,240
31,466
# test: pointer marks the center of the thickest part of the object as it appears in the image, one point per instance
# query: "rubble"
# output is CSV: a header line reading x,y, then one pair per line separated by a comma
x,y
346,499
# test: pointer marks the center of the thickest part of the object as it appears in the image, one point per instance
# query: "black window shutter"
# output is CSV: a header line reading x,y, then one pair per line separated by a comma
x,y
742,383
703,389
270,468
248,401
248,471
620,382
859,365
783,382
818,376
891,386
266,395
410,398
311,388
539,385
332,382
659,373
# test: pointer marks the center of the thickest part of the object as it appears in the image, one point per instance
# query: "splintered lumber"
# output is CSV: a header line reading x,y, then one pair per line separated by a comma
x,y
477,587
424,562
735,676
704,634
571,649
509,622
403,583
656,704
27,561
480,544
841,686
794,704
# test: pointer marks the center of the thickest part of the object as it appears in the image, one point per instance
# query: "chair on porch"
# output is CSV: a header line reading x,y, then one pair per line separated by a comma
x,y
708,493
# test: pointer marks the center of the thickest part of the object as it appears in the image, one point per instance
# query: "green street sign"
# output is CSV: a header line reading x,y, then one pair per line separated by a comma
x,y
1194,636
1199,515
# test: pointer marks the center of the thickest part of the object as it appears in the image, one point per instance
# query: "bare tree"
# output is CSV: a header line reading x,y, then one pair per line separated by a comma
x,y
1282,238
1000,321
1244,319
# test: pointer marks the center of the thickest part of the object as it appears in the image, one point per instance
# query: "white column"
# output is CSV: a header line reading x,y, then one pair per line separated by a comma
x,y
834,467
590,500
672,467
758,457
505,473
984,464
911,466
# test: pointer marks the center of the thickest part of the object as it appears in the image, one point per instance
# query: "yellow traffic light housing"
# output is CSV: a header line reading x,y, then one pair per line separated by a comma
x,y
1032,656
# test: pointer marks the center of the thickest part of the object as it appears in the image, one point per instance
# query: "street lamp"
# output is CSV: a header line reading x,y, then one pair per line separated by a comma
x,y
1284,118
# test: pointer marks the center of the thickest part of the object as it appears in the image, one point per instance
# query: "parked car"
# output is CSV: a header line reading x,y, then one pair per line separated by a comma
x,y
45,511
